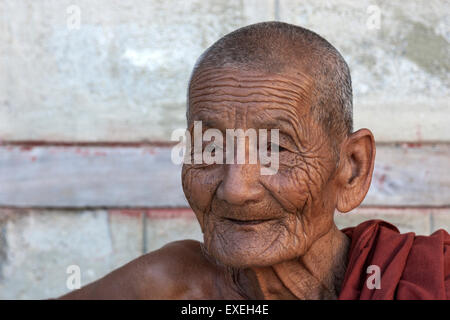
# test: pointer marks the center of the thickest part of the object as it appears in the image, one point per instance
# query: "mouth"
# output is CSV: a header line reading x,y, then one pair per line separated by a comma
x,y
248,222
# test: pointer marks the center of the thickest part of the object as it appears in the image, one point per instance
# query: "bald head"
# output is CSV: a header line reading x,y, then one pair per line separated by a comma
x,y
277,47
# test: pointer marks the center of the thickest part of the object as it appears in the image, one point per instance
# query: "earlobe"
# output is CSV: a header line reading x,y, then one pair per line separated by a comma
x,y
355,172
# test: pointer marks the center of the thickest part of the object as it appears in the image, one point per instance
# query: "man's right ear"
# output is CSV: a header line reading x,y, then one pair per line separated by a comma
x,y
356,164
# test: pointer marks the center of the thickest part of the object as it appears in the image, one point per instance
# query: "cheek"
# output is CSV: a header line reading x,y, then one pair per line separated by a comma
x,y
296,184
199,186
302,186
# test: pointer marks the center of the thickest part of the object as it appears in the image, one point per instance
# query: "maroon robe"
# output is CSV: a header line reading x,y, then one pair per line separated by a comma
x,y
412,267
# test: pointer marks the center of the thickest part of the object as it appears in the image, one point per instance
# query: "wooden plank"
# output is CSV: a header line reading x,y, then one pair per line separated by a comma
x,y
68,176
89,177
416,220
411,175
422,221
406,121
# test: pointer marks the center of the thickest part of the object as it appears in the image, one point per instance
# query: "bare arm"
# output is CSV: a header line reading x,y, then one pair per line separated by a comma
x,y
160,274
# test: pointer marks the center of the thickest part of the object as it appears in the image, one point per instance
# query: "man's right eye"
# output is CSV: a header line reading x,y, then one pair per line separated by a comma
x,y
212,147
272,146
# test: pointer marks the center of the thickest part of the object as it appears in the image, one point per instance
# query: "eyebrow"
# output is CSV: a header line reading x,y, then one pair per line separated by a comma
x,y
210,118
285,124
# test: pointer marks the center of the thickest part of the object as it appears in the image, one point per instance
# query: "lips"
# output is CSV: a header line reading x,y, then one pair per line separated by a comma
x,y
248,222
251,214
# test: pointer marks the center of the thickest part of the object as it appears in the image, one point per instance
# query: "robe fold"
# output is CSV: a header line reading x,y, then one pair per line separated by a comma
x,y
411,267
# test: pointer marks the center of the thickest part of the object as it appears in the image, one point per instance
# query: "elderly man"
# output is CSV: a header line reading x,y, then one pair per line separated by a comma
x,y
273,236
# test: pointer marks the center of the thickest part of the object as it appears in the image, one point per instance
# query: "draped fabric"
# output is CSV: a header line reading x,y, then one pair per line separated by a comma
x,y
411,267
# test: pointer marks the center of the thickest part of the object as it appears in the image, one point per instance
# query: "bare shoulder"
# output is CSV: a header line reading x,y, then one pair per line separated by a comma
x,y
178,270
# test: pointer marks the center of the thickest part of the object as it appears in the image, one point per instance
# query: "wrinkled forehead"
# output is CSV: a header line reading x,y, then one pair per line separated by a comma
x,y
233,97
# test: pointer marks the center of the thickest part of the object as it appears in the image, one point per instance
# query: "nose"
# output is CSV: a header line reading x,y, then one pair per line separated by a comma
x,y
240,184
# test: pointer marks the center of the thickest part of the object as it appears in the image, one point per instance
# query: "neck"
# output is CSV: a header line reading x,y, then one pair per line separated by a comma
x,y
318,274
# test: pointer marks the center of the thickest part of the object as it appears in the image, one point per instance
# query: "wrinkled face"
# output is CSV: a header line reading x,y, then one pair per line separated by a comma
x,y
250,219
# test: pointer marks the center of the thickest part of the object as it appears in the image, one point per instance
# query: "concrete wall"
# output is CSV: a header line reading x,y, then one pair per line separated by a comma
x,y
90,92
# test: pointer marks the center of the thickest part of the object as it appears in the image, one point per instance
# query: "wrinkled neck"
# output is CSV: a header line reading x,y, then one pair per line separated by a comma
x,y
318,274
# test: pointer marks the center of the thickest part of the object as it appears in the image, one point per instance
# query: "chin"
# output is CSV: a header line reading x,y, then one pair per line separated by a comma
x,y
258,245
242,260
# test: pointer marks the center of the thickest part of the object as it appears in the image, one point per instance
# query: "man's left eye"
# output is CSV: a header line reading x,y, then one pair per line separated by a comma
x,y
274,146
